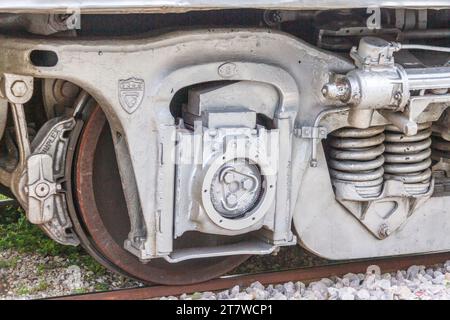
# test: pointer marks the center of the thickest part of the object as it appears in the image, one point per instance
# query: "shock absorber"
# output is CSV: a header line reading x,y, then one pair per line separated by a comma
x,y
355,156
408,158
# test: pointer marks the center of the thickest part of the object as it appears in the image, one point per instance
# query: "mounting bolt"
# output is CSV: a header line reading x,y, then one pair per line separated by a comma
x,y
247,184
229,177
19,88
398,95
232,199
384,231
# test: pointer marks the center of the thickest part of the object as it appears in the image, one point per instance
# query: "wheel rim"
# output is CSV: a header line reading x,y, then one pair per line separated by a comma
x,y
102,213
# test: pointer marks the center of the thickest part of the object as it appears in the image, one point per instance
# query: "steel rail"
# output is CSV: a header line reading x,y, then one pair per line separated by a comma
x,y
306,275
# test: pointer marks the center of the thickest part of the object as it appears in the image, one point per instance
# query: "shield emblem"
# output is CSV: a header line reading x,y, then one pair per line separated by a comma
x,y
131,93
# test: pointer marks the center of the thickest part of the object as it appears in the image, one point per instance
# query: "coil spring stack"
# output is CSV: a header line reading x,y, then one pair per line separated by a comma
x,y
356,156
367,157
408,158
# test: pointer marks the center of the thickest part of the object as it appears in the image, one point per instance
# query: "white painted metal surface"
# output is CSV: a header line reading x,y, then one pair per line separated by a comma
x,y
180,6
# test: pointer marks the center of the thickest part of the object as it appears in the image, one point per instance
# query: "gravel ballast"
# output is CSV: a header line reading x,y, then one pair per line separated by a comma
x,y
33,276
415,283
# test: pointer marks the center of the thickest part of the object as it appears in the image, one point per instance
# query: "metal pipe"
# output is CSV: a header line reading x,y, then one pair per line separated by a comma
x,y
422,47
428,78
314,141
424,34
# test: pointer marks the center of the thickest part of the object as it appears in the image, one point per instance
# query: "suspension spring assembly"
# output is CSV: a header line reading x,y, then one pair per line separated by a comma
x,y
408,158
356,156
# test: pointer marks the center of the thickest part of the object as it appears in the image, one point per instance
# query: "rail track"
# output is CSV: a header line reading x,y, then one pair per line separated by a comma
x,y
306,275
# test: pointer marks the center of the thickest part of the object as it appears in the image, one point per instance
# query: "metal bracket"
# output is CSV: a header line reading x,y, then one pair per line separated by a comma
x,y
17,90
311,132
45,171
253,247
41,188
315,134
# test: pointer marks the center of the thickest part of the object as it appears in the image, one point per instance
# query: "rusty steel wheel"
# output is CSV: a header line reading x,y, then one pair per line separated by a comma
x,y
103,222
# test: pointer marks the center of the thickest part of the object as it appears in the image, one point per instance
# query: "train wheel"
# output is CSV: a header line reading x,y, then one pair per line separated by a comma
x,y
102,217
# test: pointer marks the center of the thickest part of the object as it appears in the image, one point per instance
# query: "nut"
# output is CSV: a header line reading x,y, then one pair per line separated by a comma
x,y
247,184
19,88
229,177
232,199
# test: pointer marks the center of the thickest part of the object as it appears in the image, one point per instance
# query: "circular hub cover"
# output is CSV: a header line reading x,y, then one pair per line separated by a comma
x,y
235,188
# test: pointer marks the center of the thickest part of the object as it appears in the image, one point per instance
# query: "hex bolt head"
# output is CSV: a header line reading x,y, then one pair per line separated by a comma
x,y
247,184
229,177
232,199
19,88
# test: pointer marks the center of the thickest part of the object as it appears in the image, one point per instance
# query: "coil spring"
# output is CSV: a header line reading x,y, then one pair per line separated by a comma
x,y
408,158
356,156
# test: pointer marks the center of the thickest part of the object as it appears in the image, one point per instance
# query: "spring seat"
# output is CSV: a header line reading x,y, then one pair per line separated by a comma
x,y
356,156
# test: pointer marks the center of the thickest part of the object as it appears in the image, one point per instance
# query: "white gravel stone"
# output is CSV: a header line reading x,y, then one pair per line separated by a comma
x,y
333,293
319,289
412,272
363,294
29,276
447,265
278,296
327,282
243,296
33,276
384,284
234,291
417,282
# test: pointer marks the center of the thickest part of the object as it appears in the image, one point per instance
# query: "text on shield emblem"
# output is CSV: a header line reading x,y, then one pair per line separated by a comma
x,y
131,93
